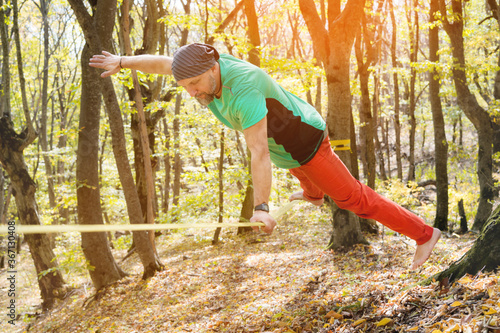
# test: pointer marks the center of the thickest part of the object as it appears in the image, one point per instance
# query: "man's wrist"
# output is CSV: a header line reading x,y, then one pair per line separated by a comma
x,y
263,207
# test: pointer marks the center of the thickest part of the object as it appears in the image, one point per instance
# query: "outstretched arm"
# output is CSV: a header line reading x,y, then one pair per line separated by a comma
x,y
112,64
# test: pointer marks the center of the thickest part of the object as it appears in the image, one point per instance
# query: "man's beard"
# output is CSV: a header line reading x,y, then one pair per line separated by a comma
x,y
207,98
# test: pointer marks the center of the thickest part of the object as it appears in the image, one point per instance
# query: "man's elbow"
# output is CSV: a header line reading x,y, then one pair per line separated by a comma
x,y
260,154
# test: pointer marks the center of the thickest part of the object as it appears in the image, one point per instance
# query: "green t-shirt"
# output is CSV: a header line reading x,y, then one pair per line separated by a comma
x,y
294,128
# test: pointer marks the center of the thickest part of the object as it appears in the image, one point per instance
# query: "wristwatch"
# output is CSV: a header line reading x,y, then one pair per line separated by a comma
x,y
262,206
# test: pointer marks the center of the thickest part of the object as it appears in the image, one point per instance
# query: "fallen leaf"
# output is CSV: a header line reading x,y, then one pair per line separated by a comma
x,y
358,322
456,303
335,315
384,322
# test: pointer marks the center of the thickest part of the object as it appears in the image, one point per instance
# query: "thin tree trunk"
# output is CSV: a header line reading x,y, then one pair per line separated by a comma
x,y
397,123
440,143
221,188
166,160
254,58
414,45
5,84
44,10
365,110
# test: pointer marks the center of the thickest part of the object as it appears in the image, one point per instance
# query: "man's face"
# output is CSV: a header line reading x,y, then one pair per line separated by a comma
x,y
202,87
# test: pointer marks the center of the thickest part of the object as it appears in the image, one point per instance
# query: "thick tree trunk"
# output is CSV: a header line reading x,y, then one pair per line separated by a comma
x,y
95,245
483,256
440,142
11,158
334,47
475,113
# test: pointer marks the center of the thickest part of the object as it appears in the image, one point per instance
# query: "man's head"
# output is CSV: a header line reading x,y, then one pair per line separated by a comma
x,y
194,67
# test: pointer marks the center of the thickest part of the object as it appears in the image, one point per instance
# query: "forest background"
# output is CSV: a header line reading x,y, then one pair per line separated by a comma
x,y
422,120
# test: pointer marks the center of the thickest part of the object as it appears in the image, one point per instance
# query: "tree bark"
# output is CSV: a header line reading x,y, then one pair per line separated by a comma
x,y
44,10
440,142
95,246
24,188
254,58
12,145
474,112
366,56
333,47
221,187
397,123
483,256
93,30
414,45
5,84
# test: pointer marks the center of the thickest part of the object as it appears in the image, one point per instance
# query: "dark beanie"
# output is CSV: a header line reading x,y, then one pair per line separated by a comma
x,y
193,60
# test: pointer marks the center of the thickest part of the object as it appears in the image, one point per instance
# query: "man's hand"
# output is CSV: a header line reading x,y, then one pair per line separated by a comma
x,y
107,61
264,217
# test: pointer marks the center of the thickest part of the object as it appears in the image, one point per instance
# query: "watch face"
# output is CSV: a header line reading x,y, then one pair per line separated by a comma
x,y
262,206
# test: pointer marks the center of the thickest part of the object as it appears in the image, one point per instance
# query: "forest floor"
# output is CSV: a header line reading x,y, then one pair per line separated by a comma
x,y
285,282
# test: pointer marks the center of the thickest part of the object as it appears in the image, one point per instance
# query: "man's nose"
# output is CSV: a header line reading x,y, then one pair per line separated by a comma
x,y
192,91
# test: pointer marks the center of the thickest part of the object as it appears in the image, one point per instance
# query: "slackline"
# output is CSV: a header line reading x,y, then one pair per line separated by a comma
x,y
51,228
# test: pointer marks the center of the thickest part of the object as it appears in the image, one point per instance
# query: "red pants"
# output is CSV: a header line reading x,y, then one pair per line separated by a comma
x,y
326,173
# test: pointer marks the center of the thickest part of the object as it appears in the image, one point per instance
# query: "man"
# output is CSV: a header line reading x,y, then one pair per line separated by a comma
x,y
279,127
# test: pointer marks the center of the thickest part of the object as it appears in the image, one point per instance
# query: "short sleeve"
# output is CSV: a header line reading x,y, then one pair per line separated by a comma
x,y
249,107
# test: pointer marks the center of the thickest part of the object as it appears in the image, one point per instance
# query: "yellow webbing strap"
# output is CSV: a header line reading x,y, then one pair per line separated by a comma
x,y
341,144
45,229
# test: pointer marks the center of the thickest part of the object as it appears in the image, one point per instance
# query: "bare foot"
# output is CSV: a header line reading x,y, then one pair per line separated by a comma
x,y
300,196
423,251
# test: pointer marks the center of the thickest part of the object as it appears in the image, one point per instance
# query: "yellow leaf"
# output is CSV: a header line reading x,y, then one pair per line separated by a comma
x,y
490,312
437,331
334,315
384,322
358,322
453,328
465,280
456,303
413,329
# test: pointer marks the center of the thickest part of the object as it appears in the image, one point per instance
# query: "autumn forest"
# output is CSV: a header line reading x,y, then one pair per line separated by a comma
x,y
410,93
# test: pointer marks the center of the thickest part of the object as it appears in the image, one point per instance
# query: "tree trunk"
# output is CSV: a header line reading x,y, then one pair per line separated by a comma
x,y
24,189
143,126
397,123
95,245
334,47
414,45
440,143
254,58
463,218
483,256
221,188
366,131
44,9
93,28
474,112
5,84
12,145
166,160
